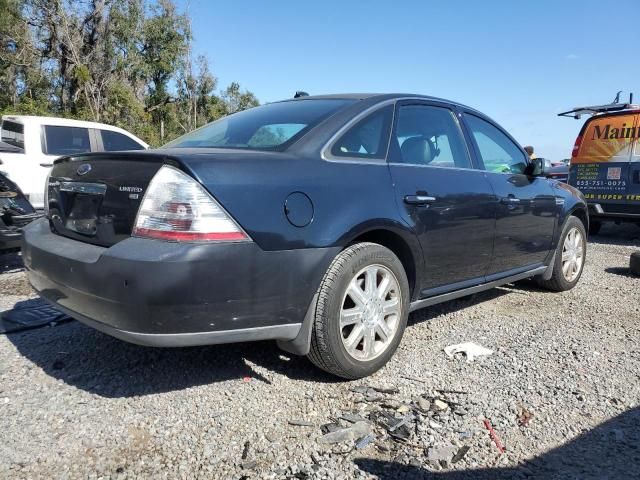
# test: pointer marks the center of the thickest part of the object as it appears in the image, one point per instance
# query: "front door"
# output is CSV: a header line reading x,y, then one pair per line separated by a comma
x,y
450,204
527,213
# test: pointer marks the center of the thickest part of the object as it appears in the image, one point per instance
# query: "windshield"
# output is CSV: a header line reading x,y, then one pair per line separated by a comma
x,y
270,127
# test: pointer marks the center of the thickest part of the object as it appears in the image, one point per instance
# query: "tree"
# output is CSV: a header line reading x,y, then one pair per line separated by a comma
x,y
123,62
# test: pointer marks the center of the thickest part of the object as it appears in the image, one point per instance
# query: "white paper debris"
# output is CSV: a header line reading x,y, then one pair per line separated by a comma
x,y
470,349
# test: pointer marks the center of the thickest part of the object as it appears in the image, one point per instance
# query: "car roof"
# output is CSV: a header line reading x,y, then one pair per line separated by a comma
x,y
377,96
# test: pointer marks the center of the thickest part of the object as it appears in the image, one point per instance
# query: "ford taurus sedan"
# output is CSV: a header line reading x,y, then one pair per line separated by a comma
x,y
319,222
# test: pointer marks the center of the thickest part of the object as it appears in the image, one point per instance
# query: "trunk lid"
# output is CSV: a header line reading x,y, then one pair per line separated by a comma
x,y
95,198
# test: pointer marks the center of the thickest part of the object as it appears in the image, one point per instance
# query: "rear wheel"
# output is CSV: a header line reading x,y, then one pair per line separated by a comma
x,y
569,259
361,312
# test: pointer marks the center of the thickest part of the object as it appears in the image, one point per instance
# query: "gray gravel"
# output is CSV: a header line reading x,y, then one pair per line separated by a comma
x,y
561,392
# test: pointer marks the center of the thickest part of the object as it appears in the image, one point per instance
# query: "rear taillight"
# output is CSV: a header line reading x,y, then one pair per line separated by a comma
x,y
576,147
177,208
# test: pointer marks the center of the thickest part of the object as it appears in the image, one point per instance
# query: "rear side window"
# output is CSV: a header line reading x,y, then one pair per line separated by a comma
x,y
114,141
499,154
66,140
368,138
13,134
430,136
608,139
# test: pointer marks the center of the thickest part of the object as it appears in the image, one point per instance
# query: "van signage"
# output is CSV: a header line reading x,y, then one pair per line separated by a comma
x,y
607,132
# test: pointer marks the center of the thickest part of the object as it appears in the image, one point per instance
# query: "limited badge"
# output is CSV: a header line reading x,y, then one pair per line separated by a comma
x,y
614,173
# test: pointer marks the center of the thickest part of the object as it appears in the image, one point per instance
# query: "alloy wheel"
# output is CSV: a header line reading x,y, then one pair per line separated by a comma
x,y
572,255
370,312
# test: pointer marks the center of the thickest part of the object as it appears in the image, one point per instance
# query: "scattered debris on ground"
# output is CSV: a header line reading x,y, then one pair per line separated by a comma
x,y
470,350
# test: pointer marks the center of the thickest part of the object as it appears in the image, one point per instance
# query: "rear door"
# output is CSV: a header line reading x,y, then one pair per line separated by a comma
x,y
601,165
526,209
450,204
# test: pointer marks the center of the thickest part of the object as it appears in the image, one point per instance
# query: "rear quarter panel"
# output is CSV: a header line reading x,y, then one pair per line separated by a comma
x,y
348,198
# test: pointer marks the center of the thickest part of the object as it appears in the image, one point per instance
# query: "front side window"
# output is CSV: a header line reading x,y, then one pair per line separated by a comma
x,y
66,140
368,138
498,152
13,134
114,141
429,136
273,126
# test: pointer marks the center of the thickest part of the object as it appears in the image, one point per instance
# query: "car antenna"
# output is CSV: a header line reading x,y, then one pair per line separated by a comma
x,y
300,93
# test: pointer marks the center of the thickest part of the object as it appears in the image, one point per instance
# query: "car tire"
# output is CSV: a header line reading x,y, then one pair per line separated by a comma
x,y
562,280
358,272
634,263
594,227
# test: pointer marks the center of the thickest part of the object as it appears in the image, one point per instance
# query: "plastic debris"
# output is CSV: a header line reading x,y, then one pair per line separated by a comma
x,y
364,441
494,436
357,430
300,423
441,454
460,454
352,417
471,350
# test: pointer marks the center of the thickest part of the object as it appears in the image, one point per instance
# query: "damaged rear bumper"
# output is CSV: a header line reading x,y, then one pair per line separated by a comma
x,y
166,294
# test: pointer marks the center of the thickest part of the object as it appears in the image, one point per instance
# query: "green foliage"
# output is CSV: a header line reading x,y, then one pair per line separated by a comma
x,y
123,62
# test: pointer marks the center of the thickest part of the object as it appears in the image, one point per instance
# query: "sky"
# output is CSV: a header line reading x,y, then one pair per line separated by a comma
x,y
520,62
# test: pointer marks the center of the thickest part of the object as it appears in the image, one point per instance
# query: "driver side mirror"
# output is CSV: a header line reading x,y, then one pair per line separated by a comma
x,y
539,167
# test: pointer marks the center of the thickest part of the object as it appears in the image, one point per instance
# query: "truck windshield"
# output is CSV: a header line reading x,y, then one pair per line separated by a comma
x,y
269,127
13,134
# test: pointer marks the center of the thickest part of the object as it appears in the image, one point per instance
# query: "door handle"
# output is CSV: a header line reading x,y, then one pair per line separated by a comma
x,y
509,200
419,199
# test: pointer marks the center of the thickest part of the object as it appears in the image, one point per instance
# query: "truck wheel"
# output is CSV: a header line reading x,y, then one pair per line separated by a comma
x,y
594,227
634,263
570,256
361,313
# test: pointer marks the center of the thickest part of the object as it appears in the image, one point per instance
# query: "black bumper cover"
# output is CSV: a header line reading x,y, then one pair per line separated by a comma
x,y
159,293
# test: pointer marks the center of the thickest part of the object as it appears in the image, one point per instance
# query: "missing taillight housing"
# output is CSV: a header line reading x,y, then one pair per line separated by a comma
x,y
177,208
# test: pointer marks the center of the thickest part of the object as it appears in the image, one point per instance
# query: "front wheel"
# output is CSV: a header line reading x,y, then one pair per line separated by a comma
x,y
361,313
569,258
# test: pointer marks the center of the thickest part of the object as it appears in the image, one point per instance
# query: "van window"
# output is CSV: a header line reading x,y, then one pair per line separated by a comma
x,y
114,141
607,139
13,134
66,140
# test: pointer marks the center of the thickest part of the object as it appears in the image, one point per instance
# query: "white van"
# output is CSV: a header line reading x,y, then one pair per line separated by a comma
x,y
40,140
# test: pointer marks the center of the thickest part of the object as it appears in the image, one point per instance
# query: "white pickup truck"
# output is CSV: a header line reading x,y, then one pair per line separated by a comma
x,y
31,144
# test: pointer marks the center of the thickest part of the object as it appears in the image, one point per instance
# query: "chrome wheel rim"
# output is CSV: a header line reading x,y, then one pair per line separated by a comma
x,y
370,313
572,255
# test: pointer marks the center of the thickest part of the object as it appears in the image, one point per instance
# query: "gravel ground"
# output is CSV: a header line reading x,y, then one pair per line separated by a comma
x,y
561,392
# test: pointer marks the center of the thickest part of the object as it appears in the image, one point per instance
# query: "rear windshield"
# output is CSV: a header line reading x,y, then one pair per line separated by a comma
x,y
270,127
13,134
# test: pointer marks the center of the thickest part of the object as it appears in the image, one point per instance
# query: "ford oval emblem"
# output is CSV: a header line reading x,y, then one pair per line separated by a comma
x,y
83,169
